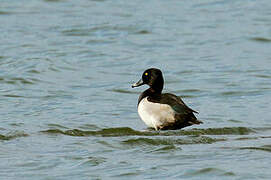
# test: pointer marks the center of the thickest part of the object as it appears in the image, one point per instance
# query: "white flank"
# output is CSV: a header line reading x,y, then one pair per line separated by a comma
x,y
155,115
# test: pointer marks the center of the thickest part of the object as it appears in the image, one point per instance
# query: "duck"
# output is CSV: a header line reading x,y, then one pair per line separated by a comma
x,y
162,111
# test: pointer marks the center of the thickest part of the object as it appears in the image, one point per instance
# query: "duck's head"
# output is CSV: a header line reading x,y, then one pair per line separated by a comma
x,y
152,77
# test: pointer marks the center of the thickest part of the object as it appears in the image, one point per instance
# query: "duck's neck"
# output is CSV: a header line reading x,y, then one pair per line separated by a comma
x,y
157,86
152,93
156,90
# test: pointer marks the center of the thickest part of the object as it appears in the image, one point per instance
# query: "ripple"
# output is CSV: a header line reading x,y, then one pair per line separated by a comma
x,y
261,39
122,91
14,135
13,96
261,148
105,30
34,71
5,13
56,126
95,161
126,131
16,124
99,42
52,0
166,149
89,126
189,90
17,80
263,76
143,32
77,32
210,171
239,93
170,141
109,132
220,131
184,72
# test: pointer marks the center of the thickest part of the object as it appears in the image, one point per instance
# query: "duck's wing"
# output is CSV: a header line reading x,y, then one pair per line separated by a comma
x,y
176,103
184,114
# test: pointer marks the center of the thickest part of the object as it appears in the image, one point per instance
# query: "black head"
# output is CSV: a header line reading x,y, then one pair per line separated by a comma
x,y
153,77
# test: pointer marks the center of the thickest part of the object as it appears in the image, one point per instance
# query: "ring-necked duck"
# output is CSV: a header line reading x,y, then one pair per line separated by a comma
x,y
162,111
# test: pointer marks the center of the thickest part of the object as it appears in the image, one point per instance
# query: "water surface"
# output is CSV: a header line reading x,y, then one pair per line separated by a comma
x,y
68,110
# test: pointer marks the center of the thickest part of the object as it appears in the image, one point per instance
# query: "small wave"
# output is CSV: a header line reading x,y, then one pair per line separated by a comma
x,y
143,32
109,132
17,80
210,171
261,39
263,76
166,149
77,32
261,148
188,90
34,71
89,127
12,96
122,91
222,131
95,161
56,126
98,42
126,131
52,0
4,13
12,136
239,93
170,141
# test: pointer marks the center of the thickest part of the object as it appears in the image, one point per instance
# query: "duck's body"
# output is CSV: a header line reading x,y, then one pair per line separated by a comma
x,y
162,111
165,111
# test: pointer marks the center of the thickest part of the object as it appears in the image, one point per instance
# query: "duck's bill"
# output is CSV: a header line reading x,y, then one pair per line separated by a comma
x,y
139,83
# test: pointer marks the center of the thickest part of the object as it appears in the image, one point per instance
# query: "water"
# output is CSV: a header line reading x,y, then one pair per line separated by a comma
x,y
68,110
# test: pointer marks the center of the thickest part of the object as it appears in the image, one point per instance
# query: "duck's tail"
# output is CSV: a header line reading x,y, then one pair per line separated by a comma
x,y
195,121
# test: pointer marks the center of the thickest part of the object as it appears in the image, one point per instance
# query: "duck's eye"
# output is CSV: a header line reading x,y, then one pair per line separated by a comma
x,y
146,74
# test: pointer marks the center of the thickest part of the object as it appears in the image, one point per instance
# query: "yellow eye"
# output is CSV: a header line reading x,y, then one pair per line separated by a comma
x,y
146,74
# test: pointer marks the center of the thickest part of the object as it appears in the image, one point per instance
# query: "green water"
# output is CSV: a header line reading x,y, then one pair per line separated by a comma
x,y
68,110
